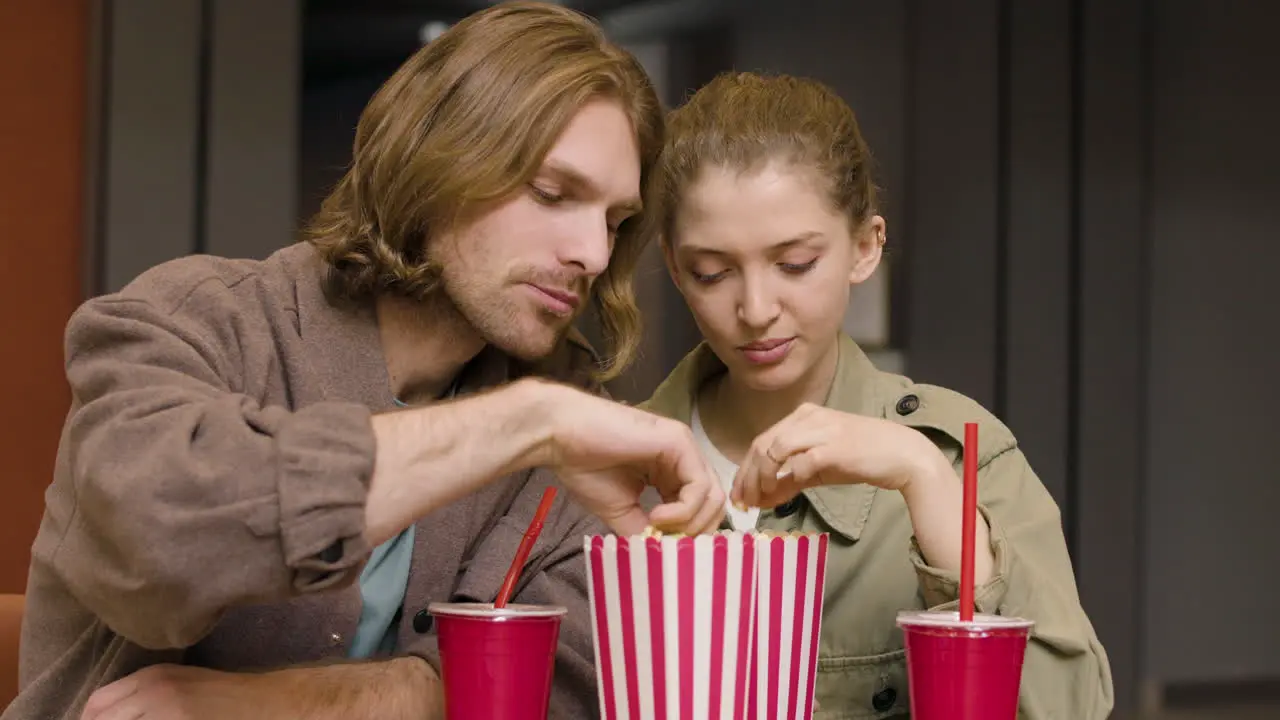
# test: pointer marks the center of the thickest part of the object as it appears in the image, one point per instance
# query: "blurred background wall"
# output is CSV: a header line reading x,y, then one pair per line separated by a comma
x,y
1082,220
44,119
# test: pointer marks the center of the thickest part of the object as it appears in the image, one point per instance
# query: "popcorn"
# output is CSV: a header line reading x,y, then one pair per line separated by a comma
x,y
653,532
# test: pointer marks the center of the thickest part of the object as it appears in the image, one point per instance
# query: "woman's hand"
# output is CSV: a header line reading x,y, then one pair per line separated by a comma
x,y
819,446
815,445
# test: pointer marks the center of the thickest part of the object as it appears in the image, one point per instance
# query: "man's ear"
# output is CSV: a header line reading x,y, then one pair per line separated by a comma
x,y
868,249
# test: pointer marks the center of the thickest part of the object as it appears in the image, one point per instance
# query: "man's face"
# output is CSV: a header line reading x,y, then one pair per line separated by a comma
x,y
522,271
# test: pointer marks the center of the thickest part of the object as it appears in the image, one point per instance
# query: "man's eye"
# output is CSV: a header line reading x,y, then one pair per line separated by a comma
x,y
545,196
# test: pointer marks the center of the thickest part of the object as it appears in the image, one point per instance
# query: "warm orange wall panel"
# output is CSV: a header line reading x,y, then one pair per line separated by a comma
x,y
43,114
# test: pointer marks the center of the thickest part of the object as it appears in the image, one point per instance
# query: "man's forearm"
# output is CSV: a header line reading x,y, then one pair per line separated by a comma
x,y
428,457
401,689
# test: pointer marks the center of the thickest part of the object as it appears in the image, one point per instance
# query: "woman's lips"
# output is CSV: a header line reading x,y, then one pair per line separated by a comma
x,y
766,352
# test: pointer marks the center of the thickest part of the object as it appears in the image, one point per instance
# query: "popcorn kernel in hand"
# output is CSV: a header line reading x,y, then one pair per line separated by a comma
x,y
653,532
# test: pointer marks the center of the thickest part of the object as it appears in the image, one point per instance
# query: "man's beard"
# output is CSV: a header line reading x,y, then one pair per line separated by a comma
x,y
505,322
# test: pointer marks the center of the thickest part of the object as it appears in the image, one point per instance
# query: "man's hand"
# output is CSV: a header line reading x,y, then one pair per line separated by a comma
x,y
605,453
401,689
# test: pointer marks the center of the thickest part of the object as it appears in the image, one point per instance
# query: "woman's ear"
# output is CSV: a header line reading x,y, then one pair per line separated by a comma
x,y
868,249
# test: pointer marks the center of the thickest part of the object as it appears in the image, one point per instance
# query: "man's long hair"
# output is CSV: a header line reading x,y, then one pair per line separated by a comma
x,y
466,122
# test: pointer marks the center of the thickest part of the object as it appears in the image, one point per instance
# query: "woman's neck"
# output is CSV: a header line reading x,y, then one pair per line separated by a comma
x,y
733,414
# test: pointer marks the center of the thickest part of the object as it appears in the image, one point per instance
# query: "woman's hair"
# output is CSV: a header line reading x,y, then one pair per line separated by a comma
x,y
465,122
744,121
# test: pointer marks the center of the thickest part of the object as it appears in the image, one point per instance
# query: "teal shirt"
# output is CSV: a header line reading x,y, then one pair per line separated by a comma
x,y
382,587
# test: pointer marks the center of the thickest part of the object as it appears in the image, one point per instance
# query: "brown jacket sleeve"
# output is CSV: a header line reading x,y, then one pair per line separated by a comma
x,y
189,496
554,575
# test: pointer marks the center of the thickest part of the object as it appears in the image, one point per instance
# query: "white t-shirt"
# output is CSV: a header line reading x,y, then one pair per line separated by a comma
x,y
725,469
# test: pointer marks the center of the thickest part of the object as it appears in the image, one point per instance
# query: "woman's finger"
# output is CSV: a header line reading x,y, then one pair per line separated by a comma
x,y
805,468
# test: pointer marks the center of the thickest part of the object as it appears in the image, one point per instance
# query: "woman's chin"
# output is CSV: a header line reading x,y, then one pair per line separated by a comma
x,y
767,378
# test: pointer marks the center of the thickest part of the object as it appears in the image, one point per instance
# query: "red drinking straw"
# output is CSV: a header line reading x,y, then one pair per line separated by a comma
x,y
969,524
526,545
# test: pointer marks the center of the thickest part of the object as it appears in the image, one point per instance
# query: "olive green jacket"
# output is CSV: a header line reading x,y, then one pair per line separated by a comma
x,y
875,569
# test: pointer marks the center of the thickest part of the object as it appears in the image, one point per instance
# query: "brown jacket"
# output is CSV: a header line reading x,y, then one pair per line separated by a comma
x,y
207,504
875,569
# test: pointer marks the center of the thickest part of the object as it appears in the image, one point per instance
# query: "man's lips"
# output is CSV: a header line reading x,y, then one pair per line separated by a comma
x,y
568,298
558,302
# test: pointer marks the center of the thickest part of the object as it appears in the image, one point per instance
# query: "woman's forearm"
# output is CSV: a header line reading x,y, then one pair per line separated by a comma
x,y
935,501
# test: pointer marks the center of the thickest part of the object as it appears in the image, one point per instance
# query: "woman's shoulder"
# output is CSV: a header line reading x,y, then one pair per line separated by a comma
x,y
674,396
942,413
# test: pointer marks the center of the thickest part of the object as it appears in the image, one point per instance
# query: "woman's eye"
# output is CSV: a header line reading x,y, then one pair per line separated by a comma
x,y
798,268
706,278
545,196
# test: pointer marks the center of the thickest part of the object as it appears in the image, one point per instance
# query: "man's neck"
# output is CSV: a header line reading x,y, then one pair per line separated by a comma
x,y
425,343
733,414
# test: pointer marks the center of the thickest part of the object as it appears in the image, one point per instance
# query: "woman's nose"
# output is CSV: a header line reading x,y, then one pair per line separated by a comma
x,y
758,307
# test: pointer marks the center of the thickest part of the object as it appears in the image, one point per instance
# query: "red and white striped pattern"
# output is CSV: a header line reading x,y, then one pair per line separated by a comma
x,y
668,645
678,634
792,574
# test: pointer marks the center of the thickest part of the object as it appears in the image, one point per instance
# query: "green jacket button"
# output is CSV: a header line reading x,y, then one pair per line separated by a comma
x,y
884,699
787,508
908,404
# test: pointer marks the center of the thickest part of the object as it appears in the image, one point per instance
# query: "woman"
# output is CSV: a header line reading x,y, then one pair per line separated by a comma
x,y
767,215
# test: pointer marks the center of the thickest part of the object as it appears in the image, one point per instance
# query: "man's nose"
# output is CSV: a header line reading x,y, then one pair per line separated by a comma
x,y
588,245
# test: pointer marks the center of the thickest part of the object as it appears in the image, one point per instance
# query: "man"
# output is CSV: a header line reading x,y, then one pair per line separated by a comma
x,y
236,449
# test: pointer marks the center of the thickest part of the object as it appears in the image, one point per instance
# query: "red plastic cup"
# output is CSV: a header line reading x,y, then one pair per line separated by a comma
x,y
497,663
961,670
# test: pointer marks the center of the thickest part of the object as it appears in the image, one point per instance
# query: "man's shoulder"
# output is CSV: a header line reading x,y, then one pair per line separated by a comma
x,y
208,283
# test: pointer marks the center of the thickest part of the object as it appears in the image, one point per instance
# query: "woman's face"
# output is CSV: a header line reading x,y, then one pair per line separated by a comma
x,y
765,264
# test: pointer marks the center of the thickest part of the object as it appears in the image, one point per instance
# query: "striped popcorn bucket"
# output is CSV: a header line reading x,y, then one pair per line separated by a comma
x,y
673,620
792,576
